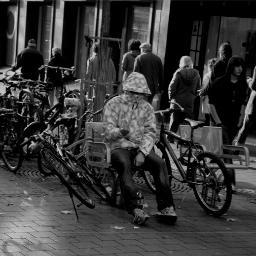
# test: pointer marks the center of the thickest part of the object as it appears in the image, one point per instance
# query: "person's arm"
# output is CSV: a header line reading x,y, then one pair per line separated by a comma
x,y
173,86
252,82
214,115
149,137
110,119
137,65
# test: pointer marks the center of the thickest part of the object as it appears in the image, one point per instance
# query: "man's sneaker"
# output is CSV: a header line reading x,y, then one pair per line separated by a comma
x,y
169,213
140,217
234,191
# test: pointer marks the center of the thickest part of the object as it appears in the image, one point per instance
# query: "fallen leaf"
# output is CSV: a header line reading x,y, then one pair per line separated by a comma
x,y
117,227
66,212
231,219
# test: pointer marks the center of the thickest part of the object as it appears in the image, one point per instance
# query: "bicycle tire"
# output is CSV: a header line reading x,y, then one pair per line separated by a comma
x,y
72,183
212,186
11,153
42,166
159,150
62,131
94,178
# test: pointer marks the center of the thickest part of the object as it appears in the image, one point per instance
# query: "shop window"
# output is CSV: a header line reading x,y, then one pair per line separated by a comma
x,y
196,39
140,23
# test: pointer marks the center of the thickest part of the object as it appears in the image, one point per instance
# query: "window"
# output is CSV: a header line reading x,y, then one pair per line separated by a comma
x,y
196,39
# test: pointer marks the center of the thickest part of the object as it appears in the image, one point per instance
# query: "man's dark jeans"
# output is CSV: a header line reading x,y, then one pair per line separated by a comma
x,y
122,160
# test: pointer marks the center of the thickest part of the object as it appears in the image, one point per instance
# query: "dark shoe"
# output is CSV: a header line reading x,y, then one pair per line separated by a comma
x,y
168,213
140,217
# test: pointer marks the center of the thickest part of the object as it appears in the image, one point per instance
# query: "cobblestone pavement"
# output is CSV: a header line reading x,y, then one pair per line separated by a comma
x,y
32,223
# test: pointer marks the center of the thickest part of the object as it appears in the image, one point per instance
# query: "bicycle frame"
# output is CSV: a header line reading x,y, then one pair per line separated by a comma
x,y
164,133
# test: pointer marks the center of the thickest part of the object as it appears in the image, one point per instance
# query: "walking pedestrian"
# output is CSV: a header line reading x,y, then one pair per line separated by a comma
x,y
129,57
183,89
54,76
101,71
30,60
224,54
207,109
229,94
150,65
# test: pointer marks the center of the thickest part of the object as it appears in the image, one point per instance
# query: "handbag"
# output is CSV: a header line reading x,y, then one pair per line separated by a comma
x,y
210,137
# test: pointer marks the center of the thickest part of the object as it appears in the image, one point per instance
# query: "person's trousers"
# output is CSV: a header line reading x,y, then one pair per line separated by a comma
x,y
122,160
177,118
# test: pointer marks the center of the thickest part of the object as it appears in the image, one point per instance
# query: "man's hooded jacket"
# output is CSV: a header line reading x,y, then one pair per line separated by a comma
x,y
132,113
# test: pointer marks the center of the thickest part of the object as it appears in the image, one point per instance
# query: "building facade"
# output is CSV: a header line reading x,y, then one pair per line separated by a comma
x,y
174,28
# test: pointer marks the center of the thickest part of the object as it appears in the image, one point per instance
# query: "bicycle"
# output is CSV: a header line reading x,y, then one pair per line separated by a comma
x,y
55,157
203,171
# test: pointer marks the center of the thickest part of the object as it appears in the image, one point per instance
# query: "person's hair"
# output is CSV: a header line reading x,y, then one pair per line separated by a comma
x,y
31,42
96,47
146,47
186,62
236,61
211,62
225,51
56,51
134,45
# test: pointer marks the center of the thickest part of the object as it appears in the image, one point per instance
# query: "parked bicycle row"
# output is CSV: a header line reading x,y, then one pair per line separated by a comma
x,y
87,160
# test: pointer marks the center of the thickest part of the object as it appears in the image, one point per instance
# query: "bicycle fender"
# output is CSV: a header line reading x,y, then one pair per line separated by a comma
x,y
34,126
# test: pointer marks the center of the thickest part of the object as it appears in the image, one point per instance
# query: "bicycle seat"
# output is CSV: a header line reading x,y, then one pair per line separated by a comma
x,y
195,124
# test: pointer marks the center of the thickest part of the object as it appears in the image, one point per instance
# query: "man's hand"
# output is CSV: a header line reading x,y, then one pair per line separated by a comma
x,y
139,159
124,132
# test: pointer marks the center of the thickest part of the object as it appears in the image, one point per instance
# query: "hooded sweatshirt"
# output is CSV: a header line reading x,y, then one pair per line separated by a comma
x,y
133,113
183,88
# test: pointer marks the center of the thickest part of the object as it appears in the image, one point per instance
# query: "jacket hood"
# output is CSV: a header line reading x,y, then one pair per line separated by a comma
x,y
188,75
136,82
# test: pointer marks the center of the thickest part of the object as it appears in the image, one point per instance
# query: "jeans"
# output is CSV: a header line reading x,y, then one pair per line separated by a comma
x,y
122,160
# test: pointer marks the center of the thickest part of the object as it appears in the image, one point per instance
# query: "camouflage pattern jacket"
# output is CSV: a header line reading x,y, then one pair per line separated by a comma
x,y
137,116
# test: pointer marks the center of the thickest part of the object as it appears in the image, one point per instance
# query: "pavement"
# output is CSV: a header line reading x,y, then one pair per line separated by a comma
x,y
37,219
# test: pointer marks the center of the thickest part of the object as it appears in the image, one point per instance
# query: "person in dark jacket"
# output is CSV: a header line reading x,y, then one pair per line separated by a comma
x,y
183,89
54,76
129,57
224,54
29,60
228,94
150,65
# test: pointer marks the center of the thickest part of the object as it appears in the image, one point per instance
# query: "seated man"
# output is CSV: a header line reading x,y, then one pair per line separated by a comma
x,y
130,129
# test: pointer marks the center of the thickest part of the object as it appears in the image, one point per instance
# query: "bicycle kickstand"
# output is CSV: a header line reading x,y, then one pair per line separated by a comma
x,y
72,199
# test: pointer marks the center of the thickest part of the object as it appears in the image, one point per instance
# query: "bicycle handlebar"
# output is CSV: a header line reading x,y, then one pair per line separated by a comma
x,y
170,110
57,68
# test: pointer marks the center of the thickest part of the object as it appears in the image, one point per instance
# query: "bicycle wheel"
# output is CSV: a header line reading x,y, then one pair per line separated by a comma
x,y
67,176
211,186
10,151
160,151
101,181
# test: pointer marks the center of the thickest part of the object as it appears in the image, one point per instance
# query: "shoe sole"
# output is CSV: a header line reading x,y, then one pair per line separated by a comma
x,y
167,218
